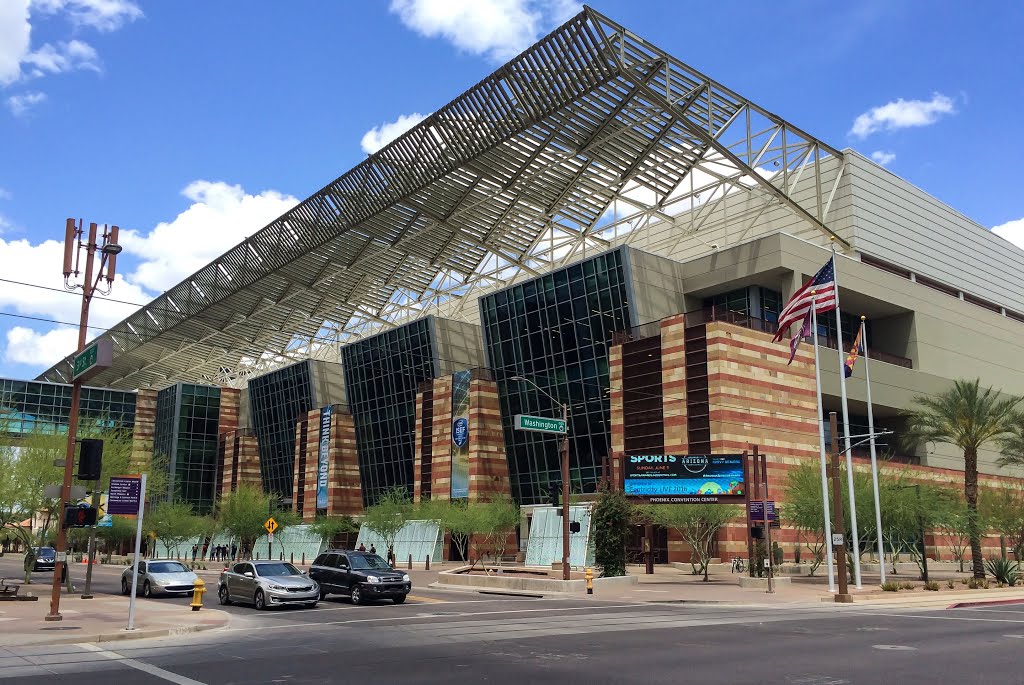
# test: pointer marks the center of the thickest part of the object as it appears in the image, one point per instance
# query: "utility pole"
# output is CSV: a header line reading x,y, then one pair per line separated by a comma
x,y
565,494
837,490
108,249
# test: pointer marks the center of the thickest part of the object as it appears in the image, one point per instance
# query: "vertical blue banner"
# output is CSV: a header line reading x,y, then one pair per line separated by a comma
x,y
323,457
460,434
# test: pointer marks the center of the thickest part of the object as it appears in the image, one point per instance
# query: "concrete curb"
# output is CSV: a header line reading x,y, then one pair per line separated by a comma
x,y
138,634
986,603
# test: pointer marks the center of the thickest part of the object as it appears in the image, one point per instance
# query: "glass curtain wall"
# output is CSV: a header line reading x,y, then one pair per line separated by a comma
x,y
277,401
555,331
34,406
185,439
382,374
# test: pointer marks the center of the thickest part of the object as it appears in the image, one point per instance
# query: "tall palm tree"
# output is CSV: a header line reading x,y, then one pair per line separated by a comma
x,y
967,416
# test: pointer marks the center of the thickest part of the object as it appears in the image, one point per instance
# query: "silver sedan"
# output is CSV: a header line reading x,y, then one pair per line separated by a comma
x,y
266,584
160,577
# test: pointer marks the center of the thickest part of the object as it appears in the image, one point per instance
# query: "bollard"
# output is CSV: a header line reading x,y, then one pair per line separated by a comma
x,y
292,559
589,575
303,558
428,563
410,562
199,588
280,556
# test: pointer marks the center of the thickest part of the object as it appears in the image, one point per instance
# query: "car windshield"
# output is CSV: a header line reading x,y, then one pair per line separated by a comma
x,y
277,570
166,567
369,561
45,552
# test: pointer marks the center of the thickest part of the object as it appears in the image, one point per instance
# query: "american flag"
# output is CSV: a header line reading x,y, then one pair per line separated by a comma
x,y
823,285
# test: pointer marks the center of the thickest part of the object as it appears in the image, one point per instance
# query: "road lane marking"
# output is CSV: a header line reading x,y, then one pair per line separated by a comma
x,y
942,618
141,665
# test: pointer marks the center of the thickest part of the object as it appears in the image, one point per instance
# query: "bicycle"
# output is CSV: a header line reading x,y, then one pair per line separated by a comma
x,y
738,565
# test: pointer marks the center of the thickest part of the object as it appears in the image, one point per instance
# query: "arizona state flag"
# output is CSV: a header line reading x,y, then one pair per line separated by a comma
x,y
857,350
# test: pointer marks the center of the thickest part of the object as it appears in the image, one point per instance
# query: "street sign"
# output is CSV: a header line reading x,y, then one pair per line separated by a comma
x,y
270,537
93,359
270,525
53,491
61,557
837,539
757,511
123,495
539,424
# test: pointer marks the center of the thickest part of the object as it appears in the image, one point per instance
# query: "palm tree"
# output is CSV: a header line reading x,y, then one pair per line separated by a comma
x,y
968,417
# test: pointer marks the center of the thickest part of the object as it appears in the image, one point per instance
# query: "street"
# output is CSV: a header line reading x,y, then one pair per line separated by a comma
x,y
441,636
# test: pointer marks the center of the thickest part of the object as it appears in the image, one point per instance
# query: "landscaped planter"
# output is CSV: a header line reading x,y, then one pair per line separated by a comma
x,y
517,581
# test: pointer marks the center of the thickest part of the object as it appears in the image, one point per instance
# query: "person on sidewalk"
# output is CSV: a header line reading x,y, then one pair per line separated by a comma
x,y
234,550
362,547
195,551
373,548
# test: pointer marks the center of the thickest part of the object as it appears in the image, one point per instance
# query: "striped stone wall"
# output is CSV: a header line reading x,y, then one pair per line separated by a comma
x,y
230,401
616,396
488,465
441,440
241,462
344,486
142,433
673,383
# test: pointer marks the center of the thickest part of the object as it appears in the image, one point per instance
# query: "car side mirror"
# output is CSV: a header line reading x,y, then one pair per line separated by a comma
x,y
248,574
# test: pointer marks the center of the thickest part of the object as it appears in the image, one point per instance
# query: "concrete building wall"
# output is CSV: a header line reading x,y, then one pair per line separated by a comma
x,y
459,345
657,286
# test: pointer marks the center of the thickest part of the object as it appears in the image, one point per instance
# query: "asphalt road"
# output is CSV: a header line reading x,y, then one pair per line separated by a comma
x,y
456,637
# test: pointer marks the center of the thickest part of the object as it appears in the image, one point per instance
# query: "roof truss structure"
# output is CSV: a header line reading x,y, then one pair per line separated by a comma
x,y
512,178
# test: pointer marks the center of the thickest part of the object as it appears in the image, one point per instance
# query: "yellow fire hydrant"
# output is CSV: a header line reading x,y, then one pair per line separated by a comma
x,y
589,575
198,590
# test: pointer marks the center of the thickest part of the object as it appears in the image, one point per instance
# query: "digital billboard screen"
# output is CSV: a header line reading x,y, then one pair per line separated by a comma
x,y
672,478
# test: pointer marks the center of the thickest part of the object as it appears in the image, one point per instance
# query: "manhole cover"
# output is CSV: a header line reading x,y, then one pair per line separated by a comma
x,y
63,628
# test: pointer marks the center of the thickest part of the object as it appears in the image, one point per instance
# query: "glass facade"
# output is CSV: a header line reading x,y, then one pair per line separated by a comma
x,y
277,401
755,301
555,331
185,439
382,374
29,406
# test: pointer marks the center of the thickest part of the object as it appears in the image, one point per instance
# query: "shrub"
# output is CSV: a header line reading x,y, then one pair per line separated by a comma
x,y
891,586
932,585
978,584
1003,570
951,583
906,586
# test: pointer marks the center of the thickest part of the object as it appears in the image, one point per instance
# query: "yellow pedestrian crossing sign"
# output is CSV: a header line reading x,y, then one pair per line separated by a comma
x,y
270,525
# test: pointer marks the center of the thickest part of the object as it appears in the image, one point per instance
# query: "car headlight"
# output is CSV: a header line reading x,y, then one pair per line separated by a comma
x,y
279,588
406,578
373,580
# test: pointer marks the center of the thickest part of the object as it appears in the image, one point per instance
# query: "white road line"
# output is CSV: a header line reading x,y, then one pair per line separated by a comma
x,y
941,618
141,665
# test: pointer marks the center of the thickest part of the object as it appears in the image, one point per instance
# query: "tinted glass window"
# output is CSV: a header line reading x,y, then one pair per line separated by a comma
x,y
320,560
279,569
240,568
368,561
167,567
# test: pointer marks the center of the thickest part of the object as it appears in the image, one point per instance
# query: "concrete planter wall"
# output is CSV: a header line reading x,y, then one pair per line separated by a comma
x,y
762,583
522,583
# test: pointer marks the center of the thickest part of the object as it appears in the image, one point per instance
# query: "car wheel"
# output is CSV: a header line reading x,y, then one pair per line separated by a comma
x,y
260,600
357,595
400,599
311,605
147,589
323,594
224,596
125,587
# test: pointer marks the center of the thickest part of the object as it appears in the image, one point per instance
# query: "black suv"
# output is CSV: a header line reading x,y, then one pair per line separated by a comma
x,y
363,576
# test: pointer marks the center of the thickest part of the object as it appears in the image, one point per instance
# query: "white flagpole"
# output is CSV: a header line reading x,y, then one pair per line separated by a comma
x,y
846,427
874,460
821,441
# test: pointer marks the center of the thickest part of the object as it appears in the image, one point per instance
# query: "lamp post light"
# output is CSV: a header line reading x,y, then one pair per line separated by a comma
x,y
108,249
565,472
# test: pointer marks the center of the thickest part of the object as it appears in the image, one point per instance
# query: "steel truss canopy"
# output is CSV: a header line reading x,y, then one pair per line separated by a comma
x,y
515,176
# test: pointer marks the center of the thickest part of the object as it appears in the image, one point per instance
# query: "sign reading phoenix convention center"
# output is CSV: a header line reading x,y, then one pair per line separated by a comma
x,y
685,478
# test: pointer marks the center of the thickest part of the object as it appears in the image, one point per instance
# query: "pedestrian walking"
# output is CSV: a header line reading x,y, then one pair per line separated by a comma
x,y
362,547
195,551
373,548
234,550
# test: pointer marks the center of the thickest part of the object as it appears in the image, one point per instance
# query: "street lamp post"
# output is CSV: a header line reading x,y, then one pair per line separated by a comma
x,y
108,249
565,473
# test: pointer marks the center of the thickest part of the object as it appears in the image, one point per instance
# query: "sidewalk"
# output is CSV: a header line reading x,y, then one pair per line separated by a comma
x,y
102,619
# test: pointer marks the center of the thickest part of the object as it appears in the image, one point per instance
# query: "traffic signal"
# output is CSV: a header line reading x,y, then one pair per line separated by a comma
x,y
79,517
757,532
90,459
554,490
574,526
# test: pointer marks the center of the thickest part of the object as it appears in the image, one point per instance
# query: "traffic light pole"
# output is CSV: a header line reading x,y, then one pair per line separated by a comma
x,y
69,453
565,494
91,550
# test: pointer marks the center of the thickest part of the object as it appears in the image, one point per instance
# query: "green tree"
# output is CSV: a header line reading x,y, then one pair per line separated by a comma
x,y
609,524
120,531
330,528
501,516
387,517
697,524
968,417
1002,509
243,512
174,523
955,527
804,510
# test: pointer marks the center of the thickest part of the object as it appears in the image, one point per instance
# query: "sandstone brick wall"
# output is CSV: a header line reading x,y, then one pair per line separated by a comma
x,y
142,433
673,383
230,401
344,485
488,465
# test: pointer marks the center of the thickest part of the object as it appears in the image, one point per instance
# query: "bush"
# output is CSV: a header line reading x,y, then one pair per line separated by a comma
x,y
609,523
906,586
1005,572
978,584
891,586
951,583
932,585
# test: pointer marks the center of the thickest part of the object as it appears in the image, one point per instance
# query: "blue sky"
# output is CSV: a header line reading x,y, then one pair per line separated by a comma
x,y
192,124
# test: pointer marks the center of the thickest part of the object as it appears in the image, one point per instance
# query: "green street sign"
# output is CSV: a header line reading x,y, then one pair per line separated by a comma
x,y
93,359
539,424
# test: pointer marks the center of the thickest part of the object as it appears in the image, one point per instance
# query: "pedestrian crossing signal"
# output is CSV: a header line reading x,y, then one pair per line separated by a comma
x,y
79,517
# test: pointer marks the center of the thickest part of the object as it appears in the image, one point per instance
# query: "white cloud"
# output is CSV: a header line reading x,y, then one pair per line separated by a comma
x,y
379,136
499,29
1012,231
15,32
902,114
26,346
69,56
220,217
102,15
21,104
883,157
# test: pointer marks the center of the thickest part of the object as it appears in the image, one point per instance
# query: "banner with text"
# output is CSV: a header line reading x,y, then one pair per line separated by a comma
x,y
323,457
460,434
685,478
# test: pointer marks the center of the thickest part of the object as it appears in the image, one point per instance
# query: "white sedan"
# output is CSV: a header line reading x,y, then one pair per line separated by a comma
x,y
160,577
